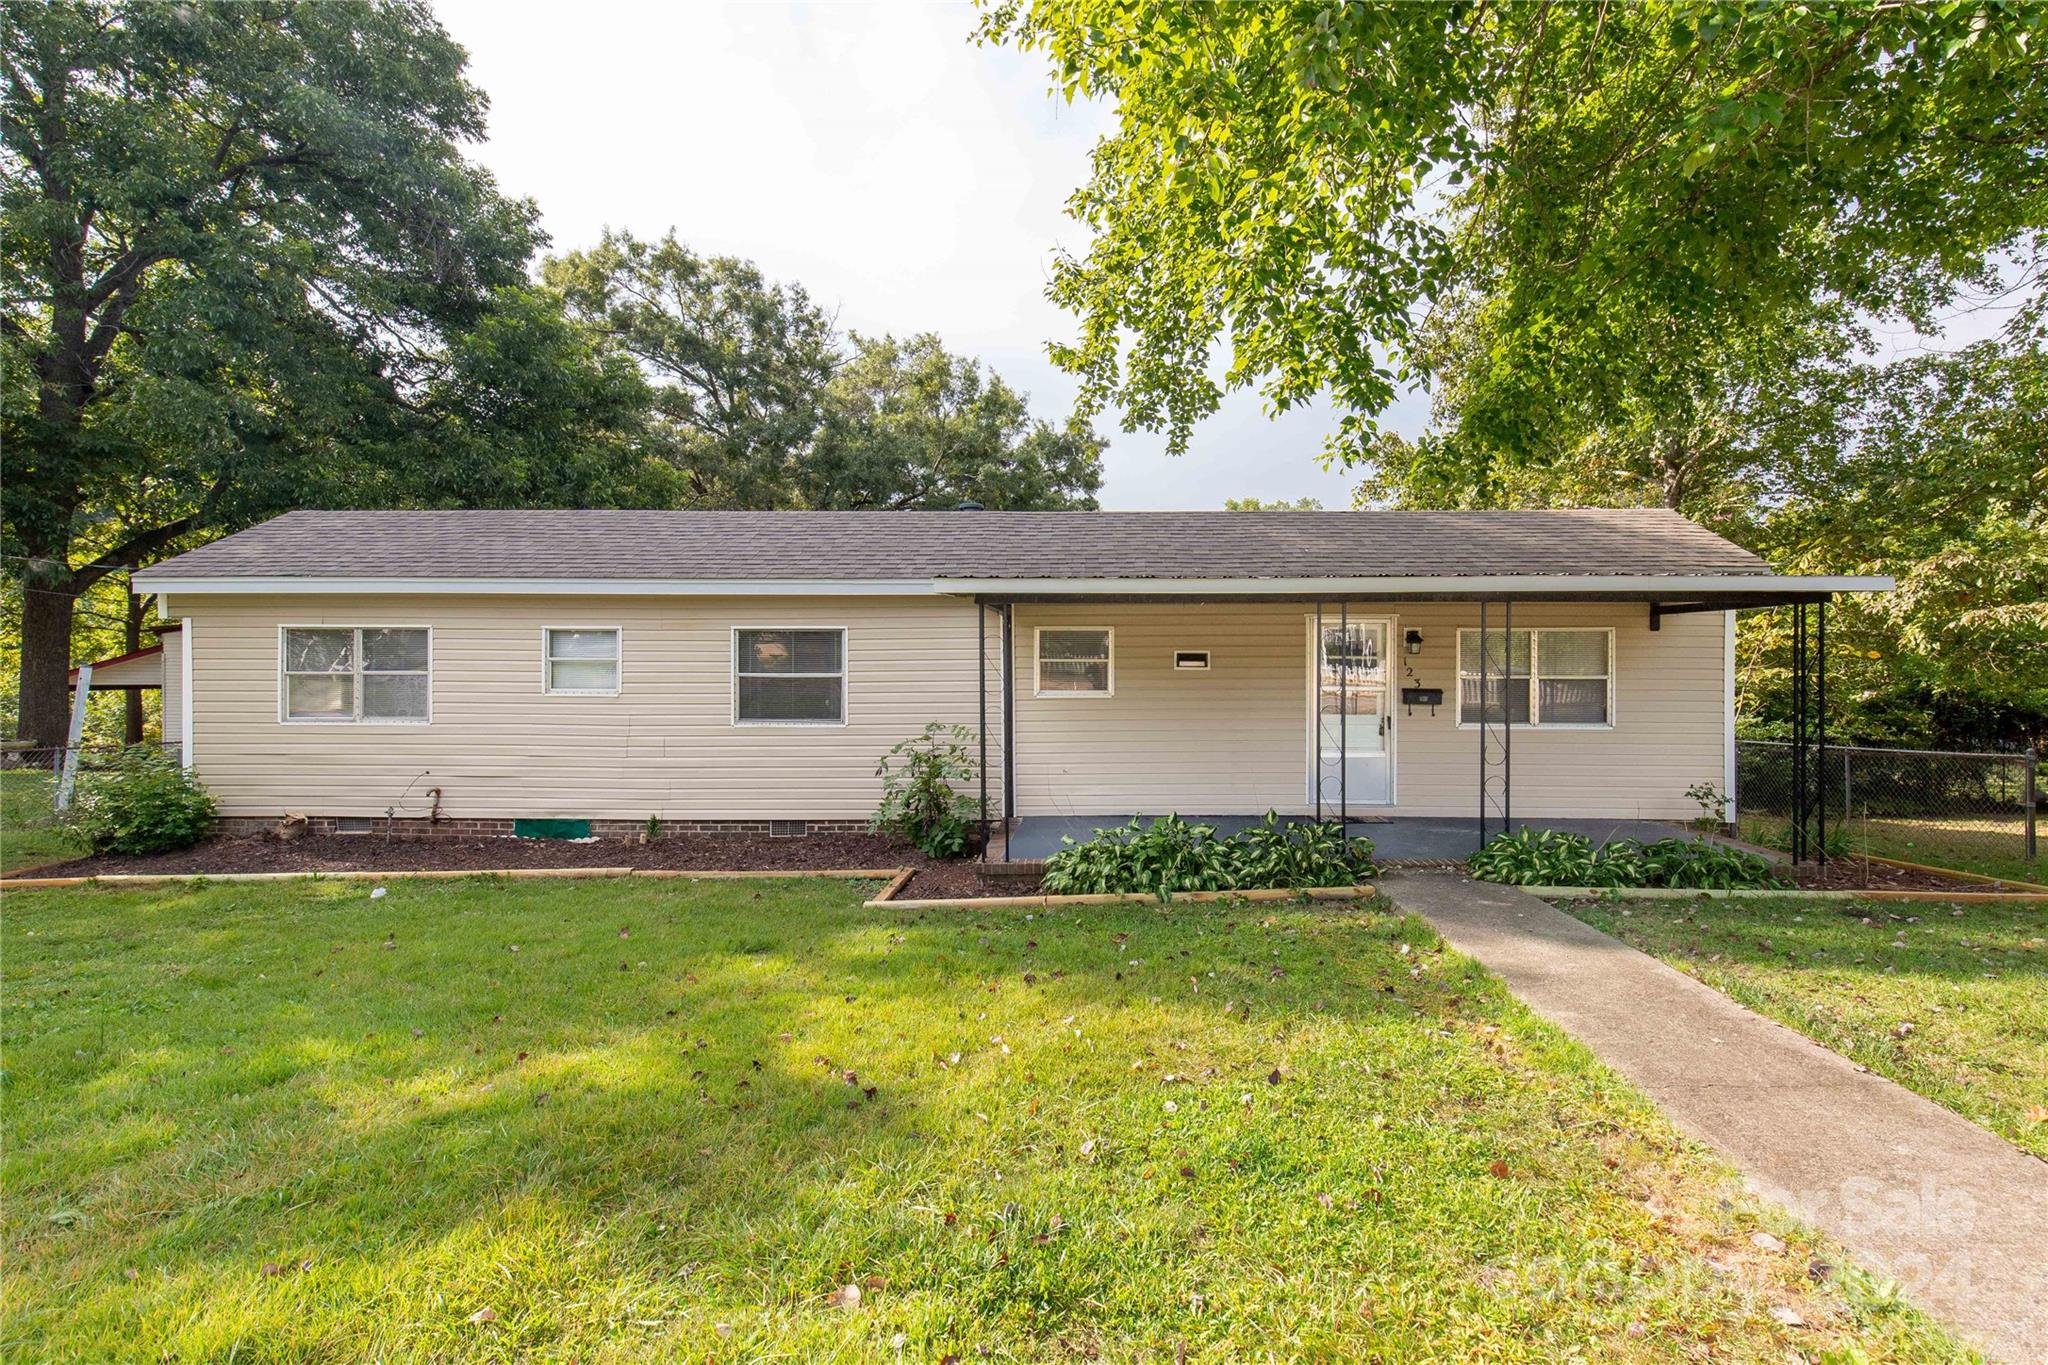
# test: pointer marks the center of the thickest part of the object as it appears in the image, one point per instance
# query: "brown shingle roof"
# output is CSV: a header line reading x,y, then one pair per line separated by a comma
x,y
1004,545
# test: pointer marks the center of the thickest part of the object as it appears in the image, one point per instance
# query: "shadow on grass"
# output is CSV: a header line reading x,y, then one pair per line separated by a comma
x,y
305,1123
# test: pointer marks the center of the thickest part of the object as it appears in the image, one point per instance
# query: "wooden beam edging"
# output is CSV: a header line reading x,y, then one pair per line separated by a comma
x,y
861,874
1261,894
1636,893
896,883
2013,882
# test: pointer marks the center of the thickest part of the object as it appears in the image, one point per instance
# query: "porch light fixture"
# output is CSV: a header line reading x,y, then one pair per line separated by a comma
x,y
1412,641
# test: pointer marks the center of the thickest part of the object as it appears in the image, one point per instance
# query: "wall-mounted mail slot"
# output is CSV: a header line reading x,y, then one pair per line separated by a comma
x,y
1191,658
1422,696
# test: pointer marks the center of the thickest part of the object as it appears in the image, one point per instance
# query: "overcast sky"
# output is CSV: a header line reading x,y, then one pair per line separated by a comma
x,y
908,178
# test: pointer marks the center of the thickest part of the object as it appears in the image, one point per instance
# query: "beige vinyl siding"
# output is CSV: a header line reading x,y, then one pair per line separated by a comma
x,y
497,746
1235,739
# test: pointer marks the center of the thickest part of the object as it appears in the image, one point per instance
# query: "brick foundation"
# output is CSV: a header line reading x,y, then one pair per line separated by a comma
x,y
456,827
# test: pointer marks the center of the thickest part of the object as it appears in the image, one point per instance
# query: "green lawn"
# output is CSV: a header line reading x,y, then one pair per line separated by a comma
x,y
29,833
1948,1000
1988,847
618,1120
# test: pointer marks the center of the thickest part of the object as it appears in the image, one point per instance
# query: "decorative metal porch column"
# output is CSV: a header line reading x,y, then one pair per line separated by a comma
x,y
1324,658
1496,730
1810,731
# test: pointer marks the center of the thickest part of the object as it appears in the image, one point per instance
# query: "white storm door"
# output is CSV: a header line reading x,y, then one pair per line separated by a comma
x,y
1352,725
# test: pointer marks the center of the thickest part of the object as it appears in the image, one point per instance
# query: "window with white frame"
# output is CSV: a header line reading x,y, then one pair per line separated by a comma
x,y
1075,661
580,661
374,674
789,676
1537,677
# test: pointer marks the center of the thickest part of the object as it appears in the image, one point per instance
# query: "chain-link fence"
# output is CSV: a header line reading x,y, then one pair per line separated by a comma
x,y
32,828
1973,811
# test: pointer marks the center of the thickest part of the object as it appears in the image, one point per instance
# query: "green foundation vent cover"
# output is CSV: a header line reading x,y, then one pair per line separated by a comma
x,y
551,829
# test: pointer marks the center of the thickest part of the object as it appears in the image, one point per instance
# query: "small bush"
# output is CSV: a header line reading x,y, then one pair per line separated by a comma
x,y
146,803
1546,857
1172,855
921,800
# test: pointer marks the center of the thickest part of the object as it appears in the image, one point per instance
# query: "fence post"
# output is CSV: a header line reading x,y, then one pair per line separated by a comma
x,y
68,775
2033,802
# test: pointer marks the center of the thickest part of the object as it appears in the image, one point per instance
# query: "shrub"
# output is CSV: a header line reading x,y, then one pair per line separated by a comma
x,y
921,800
146,803
1172,855
1546,857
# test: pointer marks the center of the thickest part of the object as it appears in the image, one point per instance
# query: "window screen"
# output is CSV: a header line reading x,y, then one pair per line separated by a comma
x,y
357,673
1074,661
582,659
791,677
1539,677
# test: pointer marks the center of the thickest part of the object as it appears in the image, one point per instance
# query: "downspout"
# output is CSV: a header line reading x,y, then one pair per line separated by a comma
x,y
1009,721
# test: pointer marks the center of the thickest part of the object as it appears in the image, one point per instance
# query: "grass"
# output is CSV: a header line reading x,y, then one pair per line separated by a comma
x,y
619,1120
1950,1001
29,833
1987,846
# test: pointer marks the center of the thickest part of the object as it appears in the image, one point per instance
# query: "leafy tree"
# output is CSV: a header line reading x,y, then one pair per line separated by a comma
x,y
908,424
1302,504
234,238
761,403
1306,180
740,364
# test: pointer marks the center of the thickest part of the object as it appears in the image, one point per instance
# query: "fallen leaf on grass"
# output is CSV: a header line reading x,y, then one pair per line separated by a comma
x,y
846,1296
483,1315
1498,1170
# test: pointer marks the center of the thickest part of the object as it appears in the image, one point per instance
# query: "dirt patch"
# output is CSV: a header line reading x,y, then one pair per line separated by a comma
x,y
934,880
1860,874
381,853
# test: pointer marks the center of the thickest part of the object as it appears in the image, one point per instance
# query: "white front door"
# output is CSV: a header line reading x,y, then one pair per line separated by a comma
x,y
1351,724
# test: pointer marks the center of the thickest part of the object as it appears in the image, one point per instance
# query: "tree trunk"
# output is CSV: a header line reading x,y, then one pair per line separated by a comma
x,y
132,698
45,698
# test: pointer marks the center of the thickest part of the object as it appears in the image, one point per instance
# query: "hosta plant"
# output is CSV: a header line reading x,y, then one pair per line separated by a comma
x,y
1171,855
1546,857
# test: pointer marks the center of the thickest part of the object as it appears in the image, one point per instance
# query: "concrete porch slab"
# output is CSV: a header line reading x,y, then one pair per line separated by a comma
x,y
1403,838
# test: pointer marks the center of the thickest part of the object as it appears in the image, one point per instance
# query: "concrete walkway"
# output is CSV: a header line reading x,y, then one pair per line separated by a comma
x,y
1955,1214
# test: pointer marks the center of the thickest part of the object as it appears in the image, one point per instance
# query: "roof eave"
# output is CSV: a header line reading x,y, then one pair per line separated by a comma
x,y
1755,589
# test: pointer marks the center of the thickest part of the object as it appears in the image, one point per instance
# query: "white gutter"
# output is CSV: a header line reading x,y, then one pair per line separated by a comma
x,y
552,587
1591,585
1588,585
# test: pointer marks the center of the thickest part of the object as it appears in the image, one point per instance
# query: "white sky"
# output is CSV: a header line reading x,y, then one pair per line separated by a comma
x,y
871,152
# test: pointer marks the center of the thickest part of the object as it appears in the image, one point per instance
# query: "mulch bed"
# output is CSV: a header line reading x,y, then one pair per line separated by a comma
x,y
1858,874
380,853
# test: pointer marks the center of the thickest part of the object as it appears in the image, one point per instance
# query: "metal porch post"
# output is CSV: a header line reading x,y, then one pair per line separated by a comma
x,y
1798,732
1315,710
1009,726
1820,731
1344,721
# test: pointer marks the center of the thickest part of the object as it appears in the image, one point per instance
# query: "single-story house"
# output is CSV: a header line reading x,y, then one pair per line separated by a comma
x,y
465,670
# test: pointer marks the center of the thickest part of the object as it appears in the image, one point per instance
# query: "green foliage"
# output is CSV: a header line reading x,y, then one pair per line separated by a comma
x,y
248,268
760,403
1172,855
1546,857
1301,504
907,424
147,803
1712,801
1616,182
922,796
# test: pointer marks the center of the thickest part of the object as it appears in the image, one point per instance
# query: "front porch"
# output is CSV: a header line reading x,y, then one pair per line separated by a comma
x,y
1397,839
